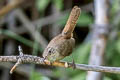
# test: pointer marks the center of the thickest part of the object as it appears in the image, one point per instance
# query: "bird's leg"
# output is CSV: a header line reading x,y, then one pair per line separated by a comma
x,y
49,62
73,63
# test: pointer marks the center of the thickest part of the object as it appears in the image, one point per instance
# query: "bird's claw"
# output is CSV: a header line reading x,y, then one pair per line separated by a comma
x,y
73,64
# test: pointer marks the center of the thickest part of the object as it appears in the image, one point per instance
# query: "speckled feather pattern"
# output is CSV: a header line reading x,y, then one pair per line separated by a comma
x,y
59,45
63,44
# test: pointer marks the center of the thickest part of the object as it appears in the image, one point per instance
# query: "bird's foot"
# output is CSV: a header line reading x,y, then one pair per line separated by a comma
x,y
73,64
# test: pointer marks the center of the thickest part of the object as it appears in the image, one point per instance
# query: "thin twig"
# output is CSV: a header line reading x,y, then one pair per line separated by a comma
x,y
31,27
9,7
39,60
19,60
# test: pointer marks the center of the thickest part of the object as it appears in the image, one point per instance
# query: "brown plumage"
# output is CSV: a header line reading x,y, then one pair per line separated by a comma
x,y
63,44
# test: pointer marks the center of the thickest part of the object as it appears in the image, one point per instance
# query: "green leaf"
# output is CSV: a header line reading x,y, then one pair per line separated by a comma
x,y
42,4
113,49
84,20
82,76
115,6
117,45
17,37
58,4
38,76
66,72
80,54
79,77
107,78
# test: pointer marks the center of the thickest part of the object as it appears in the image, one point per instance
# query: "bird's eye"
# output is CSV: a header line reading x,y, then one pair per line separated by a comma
x,y
50,51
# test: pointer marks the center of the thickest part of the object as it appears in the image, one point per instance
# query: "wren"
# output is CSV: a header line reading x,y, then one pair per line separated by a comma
x,y
63,44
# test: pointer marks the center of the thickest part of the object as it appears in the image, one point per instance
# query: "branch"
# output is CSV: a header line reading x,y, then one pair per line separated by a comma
x,y
100,33
38,60
25,70
31,27
9,7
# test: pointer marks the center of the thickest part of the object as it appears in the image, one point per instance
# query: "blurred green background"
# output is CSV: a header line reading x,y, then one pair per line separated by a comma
x,y
48,18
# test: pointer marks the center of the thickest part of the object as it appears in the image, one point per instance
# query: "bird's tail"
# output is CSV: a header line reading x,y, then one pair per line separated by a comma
x,y
71,23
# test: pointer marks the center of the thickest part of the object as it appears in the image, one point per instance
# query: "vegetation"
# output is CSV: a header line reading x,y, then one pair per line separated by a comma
x,y
35,11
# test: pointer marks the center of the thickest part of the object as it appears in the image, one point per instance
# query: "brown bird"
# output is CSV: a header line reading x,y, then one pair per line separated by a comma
x,y
63,44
